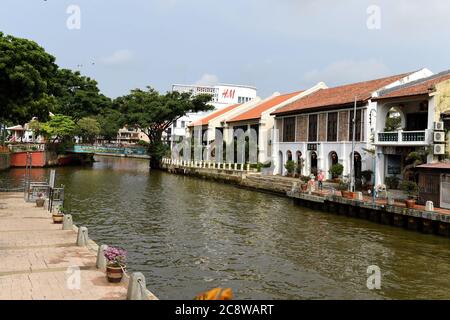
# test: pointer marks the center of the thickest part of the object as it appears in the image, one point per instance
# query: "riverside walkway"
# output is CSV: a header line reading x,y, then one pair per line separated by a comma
x,y
40,261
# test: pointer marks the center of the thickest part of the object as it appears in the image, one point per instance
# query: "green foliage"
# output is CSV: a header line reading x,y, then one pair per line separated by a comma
x,y
143,143
393,124
88,129
343,186
414,159
258,166
367,175
305,179
411,188
59,127
392,182
336,170
290,166
154,113
110,122
78,96
26,79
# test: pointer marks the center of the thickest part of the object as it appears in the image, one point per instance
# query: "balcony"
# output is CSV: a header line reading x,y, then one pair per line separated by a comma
x,y
402,138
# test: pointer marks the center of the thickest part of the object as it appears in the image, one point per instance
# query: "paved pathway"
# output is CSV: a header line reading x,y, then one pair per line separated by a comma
x,y
35,256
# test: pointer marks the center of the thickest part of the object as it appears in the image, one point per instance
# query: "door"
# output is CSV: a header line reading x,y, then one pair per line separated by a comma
x,y
445,191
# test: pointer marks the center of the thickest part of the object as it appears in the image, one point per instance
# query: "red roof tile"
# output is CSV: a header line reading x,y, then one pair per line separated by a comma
x,y
255,113
211,116
419,87
339,96
438,165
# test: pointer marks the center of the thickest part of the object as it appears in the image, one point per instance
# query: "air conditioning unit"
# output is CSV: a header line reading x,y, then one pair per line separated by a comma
x,y
439,149
439,136
439,126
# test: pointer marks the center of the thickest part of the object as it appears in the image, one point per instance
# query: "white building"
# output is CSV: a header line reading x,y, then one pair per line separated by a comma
x,y
421,106
318,128
223,95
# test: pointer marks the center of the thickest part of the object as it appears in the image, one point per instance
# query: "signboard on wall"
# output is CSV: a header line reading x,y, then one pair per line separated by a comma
x,y
312,147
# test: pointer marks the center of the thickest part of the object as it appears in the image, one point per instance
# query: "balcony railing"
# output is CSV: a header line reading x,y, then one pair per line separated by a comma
x,y
402,137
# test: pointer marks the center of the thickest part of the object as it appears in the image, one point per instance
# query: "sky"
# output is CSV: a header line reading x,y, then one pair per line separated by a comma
x,y
276,46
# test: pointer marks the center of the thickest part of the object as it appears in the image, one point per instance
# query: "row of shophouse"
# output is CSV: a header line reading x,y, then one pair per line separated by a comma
x,y
319,126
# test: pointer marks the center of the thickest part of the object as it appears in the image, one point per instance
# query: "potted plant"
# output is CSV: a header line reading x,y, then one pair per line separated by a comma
x,y
115,266
40,200
412,189
58,217
392,182
367,176
343,187
290,167
304,184
336,171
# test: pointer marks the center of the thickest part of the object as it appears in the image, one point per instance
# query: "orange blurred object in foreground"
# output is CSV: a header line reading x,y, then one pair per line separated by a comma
x,y
216,294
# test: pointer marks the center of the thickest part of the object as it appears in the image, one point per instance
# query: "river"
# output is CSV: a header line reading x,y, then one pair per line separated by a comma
x,y
188,235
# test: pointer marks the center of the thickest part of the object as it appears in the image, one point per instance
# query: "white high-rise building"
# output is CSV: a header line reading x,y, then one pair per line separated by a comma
x,y
223,95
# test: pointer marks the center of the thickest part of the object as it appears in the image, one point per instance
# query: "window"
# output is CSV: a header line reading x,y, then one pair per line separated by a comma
x,y
312,128
358,126
332,126
289,129
183,124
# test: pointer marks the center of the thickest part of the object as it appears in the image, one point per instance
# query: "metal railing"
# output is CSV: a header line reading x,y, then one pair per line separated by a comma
x,y
398,137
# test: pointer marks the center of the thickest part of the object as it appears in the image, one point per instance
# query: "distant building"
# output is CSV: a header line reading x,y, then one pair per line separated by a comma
x,y
131,136
223,95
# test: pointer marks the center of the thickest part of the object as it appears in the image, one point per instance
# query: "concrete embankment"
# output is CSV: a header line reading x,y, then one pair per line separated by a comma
x,y
417,219
41,261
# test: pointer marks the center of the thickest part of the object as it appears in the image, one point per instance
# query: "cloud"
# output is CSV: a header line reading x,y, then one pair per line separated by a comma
x,y
347,71
118,57
207,80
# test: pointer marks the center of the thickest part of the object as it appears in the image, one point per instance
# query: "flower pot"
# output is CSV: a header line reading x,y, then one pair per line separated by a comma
x,y
114,274
40,202
410,203
352,195
345,193
58,218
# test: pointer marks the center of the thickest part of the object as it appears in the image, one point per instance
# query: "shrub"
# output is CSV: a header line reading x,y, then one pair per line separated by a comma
x,y
343,186
392,182
290,166
305,178
367,175
411,188
336,170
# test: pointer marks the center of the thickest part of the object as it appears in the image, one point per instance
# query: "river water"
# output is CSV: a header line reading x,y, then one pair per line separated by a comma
x,y
188,235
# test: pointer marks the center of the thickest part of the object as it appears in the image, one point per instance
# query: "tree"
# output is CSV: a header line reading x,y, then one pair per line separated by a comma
x,y
110,122
88,129
154,113
59,128
26,76
78,96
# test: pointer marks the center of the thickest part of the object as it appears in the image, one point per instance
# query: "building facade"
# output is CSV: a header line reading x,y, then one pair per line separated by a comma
x,y
420,108
319,131
259,118
223,95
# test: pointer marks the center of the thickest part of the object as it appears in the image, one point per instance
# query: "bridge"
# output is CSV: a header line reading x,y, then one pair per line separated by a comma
x,y
109,150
